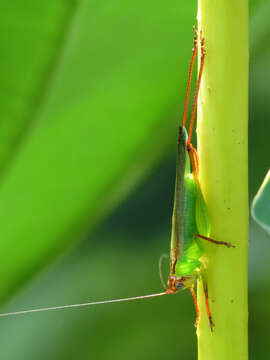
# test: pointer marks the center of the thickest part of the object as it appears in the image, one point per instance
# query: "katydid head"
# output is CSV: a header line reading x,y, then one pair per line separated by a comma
x,y
177,283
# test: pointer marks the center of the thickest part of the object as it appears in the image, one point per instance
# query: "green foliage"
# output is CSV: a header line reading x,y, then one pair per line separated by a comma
x,y
106,106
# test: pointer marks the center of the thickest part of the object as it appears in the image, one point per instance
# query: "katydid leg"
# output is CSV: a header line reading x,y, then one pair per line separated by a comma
x,y
217,242
196,92
194,52
195,304
205,289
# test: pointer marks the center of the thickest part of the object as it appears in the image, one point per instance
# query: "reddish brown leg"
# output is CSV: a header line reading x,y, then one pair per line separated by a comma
x,y
196,91
228,244
205,289
194,52
194,160
196,305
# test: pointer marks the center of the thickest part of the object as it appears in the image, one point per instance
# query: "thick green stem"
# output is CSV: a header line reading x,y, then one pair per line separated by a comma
x,y
223,142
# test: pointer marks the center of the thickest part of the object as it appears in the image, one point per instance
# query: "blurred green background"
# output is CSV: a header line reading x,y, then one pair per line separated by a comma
x,y
91,94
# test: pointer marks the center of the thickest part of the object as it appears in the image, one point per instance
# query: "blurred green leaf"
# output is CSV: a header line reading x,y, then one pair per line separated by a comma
x,y
104,118
31,38
261,205
260,30
259,126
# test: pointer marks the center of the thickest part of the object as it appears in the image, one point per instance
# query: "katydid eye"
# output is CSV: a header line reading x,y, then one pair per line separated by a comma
x,y
179,286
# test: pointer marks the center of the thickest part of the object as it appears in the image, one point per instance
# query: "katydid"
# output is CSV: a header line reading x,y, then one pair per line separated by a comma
x,y
190,222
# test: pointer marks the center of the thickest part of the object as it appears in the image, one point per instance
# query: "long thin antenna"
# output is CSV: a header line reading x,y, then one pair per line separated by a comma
x,y
82,305
162,257
194,52
196,91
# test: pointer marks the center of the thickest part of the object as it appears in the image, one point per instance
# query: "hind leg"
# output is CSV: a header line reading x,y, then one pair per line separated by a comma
x,y
195,304
228,244
205,289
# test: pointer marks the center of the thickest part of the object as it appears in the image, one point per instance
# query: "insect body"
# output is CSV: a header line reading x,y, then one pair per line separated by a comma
x,y
186,249
190,223
190,220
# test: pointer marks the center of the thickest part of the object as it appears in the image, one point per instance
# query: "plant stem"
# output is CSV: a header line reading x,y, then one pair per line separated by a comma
x,y
223,153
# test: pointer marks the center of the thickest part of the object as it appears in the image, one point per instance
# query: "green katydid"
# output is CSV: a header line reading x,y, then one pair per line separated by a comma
x,y
190,222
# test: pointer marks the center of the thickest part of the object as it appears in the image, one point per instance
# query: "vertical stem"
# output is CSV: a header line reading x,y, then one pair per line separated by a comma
x,y
223,141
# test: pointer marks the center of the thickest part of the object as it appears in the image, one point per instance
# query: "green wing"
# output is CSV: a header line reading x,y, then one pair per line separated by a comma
x,y
202,217
178,208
